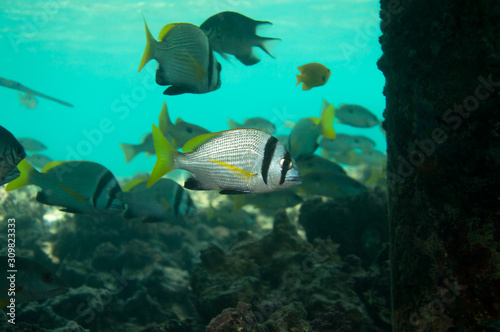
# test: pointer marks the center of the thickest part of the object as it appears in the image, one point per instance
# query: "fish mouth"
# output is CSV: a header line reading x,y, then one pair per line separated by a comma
x,y
294,179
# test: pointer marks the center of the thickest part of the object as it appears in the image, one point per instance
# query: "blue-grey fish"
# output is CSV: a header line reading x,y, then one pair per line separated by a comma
x,y
30,144
77,186
38,160
28,100
236,34
330,184
32,281
356,116
303,139
11,154
131,150
185,59
255,123
353,158
314,163
165,200
234,161
344,143
180,132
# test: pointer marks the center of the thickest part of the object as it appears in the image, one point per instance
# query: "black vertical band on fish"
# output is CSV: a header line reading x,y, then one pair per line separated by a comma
x,y
101,185
285,167
210,66
268,156
113,193
178,199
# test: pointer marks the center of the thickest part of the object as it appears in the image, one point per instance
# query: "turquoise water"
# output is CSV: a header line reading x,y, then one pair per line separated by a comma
x,y
87,53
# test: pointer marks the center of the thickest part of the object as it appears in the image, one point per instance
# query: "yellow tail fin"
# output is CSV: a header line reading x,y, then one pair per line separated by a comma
x,y
165,153
25,178
149,52
327,119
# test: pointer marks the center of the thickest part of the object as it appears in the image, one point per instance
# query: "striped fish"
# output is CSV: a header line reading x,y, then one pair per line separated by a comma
x,y
11,154
234,161
165,200
186,60
77,186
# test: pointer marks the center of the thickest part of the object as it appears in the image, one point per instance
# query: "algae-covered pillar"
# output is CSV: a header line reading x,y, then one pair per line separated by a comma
x,y
441,60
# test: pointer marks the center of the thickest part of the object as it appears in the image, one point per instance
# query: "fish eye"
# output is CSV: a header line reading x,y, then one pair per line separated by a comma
x,y
189,130
285,163
47,277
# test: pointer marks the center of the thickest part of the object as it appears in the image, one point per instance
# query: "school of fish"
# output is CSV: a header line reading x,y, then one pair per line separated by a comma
x,y
244,160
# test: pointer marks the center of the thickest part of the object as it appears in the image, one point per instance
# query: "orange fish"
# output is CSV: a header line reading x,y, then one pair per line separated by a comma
x,y
312,74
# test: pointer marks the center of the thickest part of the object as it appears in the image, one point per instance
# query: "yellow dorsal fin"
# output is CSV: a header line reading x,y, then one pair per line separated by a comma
x,y
197,68
164,122
149,51
73,193
166,204
195,142
133,183
24,178
236,170
326,121
51,165
166,29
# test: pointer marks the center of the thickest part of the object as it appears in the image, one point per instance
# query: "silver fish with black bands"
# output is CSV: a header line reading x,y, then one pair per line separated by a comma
x,y
234,161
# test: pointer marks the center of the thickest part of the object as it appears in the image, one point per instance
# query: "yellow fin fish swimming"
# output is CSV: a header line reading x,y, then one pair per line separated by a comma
x,y
185,59
234,161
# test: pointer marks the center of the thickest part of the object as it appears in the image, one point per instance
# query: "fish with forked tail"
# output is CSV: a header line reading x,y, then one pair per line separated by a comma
x,y
235,161
185,59
234,33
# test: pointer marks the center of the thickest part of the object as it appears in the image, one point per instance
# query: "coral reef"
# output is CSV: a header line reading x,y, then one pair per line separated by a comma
x,y
358,223
129,276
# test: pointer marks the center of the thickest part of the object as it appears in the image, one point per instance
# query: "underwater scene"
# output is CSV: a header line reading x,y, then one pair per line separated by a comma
x,y
204,165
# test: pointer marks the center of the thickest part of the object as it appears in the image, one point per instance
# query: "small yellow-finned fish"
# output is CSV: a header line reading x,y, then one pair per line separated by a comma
x,y
185,59
234,161
77,186
312,75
